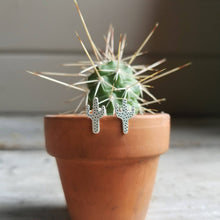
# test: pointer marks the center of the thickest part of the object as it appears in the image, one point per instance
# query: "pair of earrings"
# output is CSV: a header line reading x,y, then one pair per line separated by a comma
x,y
98,113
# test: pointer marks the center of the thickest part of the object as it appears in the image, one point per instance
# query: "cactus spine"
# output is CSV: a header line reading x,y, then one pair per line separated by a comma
x,y
124,114
96,114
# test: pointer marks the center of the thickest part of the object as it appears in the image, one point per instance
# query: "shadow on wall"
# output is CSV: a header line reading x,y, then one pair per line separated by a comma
x,y
187,32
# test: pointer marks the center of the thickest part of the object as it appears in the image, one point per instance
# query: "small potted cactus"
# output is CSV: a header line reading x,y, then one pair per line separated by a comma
x,y
107,151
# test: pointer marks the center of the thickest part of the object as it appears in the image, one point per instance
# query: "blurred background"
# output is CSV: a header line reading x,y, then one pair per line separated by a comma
x,y
39,36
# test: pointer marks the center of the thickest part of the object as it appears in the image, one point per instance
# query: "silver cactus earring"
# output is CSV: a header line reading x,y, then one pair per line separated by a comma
x,y
124,114
96,114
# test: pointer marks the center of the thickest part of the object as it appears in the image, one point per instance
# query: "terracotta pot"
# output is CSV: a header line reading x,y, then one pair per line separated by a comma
x,y
107,176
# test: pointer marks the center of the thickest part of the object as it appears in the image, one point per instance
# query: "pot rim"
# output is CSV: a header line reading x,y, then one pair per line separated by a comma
x,y
71,137
138,116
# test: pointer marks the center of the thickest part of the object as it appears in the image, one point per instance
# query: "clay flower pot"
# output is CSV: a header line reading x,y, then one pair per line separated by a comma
x,y
110,175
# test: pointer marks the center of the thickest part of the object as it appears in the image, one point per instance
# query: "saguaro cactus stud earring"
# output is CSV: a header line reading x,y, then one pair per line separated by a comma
x,y
96,114
124,114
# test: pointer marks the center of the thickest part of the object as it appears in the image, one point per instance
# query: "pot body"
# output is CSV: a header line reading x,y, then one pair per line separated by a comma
x,y
107,176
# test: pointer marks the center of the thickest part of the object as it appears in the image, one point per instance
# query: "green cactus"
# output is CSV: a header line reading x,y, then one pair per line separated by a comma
x,y
112,78
118,79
